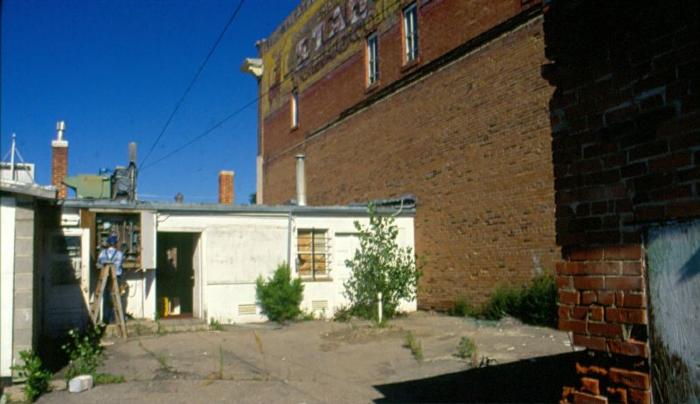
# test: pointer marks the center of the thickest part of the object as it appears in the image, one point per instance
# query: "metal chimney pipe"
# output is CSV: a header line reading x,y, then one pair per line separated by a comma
x,y
301,180
60,128
132,152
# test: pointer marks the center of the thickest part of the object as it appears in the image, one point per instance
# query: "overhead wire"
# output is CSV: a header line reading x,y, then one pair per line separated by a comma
x,y
192,82
205,133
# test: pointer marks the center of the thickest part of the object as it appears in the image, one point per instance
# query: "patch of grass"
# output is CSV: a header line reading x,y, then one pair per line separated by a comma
x,y
108,378
466,349
414,345
534,303
306,316
215,325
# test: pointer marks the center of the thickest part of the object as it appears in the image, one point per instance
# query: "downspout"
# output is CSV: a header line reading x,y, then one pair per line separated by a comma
x,y
289,238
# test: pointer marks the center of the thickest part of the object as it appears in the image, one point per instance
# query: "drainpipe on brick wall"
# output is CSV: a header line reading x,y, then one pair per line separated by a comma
x,y
301,181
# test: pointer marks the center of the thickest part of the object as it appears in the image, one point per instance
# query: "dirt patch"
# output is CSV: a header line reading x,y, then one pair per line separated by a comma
x,y
324,361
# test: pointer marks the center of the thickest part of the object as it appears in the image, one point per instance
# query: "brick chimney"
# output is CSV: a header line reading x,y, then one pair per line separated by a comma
x,y
59,160
226,192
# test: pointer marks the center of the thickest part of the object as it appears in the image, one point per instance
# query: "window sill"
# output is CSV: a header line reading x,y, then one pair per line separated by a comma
x,y
324,278
372,87
411,65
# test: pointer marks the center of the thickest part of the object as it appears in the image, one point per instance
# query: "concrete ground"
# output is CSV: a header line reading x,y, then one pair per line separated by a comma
x,y
318,361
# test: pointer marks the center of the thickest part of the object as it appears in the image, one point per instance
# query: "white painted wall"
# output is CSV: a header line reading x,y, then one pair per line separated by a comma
x,y
235,250
7,280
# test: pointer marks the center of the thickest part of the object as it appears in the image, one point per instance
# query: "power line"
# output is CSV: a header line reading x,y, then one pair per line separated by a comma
x,y
194,79
205,133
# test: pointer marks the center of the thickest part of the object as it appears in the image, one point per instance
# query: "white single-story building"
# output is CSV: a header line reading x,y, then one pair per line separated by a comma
x,y
202,260
22,210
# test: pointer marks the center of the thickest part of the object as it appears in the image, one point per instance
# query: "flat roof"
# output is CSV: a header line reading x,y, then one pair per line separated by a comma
x,y
30,189
405,206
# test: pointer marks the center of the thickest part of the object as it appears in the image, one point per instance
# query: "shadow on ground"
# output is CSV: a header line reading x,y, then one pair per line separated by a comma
x,y
532,380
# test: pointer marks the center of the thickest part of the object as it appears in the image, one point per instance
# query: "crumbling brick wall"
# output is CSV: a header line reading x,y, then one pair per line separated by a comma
x,y
626,149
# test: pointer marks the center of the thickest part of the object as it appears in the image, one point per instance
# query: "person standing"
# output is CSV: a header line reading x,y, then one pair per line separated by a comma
x,y
111,255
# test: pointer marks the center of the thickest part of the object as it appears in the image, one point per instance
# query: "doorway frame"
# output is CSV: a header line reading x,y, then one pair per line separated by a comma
x,y
197,261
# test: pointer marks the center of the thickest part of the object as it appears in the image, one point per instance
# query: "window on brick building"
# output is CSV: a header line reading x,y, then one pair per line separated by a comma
x,y
312,253
410,30
372,59
294,101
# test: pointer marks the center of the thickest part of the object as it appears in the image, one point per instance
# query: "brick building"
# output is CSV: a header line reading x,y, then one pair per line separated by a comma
x,y
626,149
441,99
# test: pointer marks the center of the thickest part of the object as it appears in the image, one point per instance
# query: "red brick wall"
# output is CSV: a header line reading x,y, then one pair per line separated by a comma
x,y
226,193
443,25
472,142
626,149
59,169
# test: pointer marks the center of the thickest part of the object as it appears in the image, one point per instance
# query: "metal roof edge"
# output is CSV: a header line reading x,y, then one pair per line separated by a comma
x,y
37,191
406,210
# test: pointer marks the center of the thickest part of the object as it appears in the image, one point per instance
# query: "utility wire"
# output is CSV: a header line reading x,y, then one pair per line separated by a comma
x,y
194,79
205,133
216,125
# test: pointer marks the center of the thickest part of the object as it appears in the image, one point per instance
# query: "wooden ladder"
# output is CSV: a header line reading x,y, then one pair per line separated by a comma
x,y
107,271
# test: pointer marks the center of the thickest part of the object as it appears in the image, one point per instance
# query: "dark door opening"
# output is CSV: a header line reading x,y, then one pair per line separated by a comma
x,y
175,275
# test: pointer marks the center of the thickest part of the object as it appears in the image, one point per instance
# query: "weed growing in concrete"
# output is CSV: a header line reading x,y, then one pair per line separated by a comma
x,y
84,351
139,329
342,314
108,378
466,349
37,377
221,363
280,296
414,345
160,329
215,325
307,316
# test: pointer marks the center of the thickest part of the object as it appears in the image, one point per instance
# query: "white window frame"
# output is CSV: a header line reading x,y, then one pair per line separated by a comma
x,y
410,29
294,106
372,59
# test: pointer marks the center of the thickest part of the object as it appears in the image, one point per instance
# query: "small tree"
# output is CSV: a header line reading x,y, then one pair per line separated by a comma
x,y
280,296
380,265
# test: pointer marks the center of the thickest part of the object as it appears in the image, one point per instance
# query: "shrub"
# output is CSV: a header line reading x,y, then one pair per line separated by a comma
x,y
84,351
462,308
280,296
534,303
379,265
538,302
342,314
37,377
503,301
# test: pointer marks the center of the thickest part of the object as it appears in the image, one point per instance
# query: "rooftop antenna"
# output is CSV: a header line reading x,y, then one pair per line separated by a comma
x,y
14,151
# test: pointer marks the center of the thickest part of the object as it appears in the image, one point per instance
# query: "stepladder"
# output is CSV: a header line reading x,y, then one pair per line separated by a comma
x,y
107,272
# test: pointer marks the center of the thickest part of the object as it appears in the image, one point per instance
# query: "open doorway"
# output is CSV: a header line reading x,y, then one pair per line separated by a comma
x,y
177,275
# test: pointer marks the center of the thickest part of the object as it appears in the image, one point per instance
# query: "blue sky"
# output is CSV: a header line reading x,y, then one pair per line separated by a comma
x,y
114,70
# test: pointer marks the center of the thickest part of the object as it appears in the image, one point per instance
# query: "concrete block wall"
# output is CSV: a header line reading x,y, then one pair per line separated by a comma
x,y
625,119
26,282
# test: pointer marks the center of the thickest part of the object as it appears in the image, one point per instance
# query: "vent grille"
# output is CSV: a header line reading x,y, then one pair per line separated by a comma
x,y
319,305
247,309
